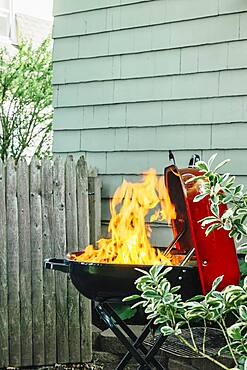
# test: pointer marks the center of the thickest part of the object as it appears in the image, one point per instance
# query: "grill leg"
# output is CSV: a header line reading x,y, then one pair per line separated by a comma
x,y
152,352
107,314
138,343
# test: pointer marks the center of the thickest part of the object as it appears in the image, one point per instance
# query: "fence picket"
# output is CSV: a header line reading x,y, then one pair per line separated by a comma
x,y
83,241
24,261
94,196
37,262
4,347
48,252
13,266
60,251
82,203
72,245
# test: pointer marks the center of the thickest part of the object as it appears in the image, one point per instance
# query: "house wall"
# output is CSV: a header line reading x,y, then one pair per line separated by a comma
x,y
133,79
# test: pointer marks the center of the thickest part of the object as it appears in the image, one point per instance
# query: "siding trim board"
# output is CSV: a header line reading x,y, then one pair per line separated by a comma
x,y
82,129
223,6
196,149
151,101
68,82
92,7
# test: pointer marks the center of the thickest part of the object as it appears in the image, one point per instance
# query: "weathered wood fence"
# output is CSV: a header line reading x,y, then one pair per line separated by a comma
x,y
44,212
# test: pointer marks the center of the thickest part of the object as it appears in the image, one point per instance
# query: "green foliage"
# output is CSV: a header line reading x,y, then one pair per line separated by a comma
x,y
164,305
124,311
221,189
243,270
25,100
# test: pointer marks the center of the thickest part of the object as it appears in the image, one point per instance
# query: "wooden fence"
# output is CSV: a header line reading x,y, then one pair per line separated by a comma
x,y
44,212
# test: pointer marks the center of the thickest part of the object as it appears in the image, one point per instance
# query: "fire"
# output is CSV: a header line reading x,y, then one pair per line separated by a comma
x,y
132,203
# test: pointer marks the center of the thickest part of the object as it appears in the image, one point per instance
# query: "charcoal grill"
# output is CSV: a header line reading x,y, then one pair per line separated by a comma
x,y
102,281
202,260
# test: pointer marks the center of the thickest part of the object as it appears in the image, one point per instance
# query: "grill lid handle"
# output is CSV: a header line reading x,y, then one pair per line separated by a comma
x,y
56,264
195,158
171,157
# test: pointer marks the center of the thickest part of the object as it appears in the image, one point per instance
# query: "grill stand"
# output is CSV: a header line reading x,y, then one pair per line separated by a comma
x,y
133,344
170,345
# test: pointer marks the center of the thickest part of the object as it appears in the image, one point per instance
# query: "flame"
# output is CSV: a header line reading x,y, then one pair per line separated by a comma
x,y
132,203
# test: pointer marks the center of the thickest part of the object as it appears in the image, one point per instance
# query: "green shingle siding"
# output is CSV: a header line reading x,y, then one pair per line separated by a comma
x,y
66,7
133,79
195,32
228,55
189,86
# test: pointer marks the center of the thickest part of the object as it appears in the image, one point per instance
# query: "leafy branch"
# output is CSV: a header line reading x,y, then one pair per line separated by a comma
x,y
171,315
25,100
221,189
164,305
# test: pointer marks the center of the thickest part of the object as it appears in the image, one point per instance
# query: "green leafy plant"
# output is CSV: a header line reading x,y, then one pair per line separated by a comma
x,y
221,189
124,311
25,101
164,305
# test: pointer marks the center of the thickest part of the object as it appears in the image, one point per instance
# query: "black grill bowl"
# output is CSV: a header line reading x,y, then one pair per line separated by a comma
x,y
101,281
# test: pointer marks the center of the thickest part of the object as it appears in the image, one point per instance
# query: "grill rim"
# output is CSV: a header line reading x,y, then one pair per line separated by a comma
x,y
122,265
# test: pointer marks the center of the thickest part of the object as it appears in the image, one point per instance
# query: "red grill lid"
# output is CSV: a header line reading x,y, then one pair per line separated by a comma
x,y
215,253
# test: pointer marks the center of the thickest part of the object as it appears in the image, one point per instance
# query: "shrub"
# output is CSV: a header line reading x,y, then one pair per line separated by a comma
x,y
25,101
